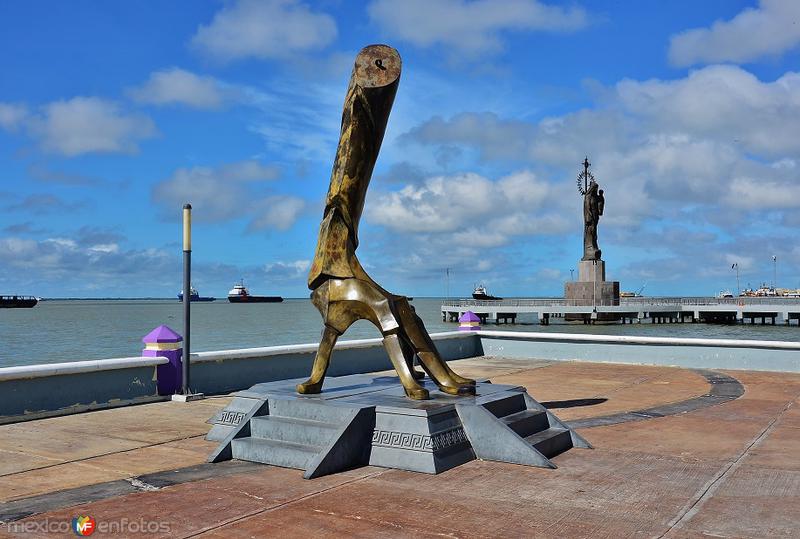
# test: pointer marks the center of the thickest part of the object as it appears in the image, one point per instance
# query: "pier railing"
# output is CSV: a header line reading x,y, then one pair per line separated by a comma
x,y
632,301
37,391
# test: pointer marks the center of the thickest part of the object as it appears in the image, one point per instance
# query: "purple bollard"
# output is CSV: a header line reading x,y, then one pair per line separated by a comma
x,y
163,341
469,321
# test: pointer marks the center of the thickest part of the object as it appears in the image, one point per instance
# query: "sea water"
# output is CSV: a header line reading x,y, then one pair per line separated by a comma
x,y
75,330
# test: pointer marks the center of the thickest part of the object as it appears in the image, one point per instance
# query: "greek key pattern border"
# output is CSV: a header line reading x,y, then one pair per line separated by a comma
x,y
419,442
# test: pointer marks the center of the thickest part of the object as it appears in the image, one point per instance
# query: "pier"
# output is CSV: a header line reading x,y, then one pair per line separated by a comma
x,y
656,310
655,429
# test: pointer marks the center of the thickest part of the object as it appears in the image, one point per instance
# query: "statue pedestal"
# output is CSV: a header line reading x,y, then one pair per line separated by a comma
x,y
591,271
367,419
591,288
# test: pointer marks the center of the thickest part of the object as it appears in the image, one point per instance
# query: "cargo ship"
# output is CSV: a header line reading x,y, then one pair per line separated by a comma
x,y
240,294
195,296
18,302
481,293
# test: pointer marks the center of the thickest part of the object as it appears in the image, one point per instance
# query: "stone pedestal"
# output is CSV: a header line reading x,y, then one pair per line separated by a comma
x,y
591,270
600,293
367,419
591,288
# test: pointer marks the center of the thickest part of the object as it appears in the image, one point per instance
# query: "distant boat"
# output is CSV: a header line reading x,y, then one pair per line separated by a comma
x,y
195,296
481,293
764,290
725,294
18,302
240,294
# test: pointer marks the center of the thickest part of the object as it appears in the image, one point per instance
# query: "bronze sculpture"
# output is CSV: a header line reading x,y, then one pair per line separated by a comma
x,y
593,203
341,289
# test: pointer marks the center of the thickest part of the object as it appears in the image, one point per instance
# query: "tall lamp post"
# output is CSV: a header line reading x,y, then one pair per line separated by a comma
x,y
775,273
187,294
735,266
186,395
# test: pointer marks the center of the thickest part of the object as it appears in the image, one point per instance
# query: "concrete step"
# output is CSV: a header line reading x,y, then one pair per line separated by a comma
x,y
313,409
292,429
527,422
275,452
506,406
550,442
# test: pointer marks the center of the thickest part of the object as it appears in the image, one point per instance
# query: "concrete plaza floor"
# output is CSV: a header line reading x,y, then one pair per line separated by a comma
x,y
725,470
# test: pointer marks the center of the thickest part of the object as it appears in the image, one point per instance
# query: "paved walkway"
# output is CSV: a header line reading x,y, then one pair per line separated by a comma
x,y
730,470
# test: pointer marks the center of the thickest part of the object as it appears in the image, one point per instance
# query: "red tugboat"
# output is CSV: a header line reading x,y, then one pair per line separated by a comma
x,y
481,293
240,294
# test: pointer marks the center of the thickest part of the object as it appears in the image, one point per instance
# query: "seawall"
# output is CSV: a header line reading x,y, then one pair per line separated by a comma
x,y
37,391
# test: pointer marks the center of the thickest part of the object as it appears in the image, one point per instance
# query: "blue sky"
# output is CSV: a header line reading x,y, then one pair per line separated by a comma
x,y
114,115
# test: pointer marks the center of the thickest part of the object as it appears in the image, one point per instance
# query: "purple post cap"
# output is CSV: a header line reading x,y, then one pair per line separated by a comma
x,y
162,334
469,316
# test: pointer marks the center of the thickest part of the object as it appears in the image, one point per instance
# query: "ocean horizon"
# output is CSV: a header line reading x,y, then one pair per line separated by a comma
x,y
65,330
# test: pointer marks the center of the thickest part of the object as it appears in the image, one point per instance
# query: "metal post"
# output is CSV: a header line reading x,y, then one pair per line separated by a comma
x,y
572,274
775,273
187,295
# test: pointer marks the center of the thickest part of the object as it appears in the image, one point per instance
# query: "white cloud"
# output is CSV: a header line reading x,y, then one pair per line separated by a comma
x,y
12,115
175,85
44,204
723,102
280,212
89,125
66,266
297,119
746,263
656,145
264,29
770,29
228,192
464,203
754,193
494,137
470,28
294,271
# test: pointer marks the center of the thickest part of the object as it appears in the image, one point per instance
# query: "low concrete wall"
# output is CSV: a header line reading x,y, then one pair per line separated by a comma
x,y
231,370
734,354
36,391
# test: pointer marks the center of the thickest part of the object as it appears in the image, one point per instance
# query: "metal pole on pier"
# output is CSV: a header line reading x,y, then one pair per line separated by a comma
x,y
774,272
187,294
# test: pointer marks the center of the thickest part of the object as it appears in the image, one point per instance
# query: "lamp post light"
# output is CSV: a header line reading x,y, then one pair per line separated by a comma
x,y
774,272
186,395
187,294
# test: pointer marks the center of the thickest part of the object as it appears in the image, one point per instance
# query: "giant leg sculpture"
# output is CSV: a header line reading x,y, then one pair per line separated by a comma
x,y
342,290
